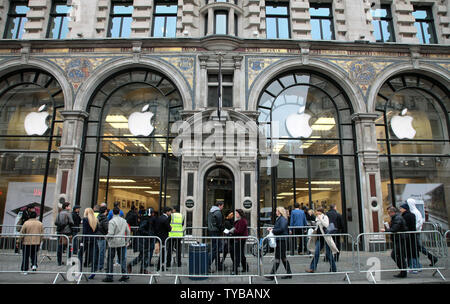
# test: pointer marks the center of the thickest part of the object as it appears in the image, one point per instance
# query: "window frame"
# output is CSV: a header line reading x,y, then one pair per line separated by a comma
x,y
213,84
388,19
321,18
278,17
165,16
112,16
12,15
427,20
54,15
221,12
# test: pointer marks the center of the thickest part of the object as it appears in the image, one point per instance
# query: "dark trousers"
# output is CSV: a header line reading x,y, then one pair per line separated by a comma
x,y
162,254
398,254
174,243
145,255
238,255
89,251
62,245
215,253
301,242
280,254
29,252
122,255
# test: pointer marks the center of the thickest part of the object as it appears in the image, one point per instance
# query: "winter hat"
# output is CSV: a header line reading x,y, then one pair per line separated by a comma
x,y
405,206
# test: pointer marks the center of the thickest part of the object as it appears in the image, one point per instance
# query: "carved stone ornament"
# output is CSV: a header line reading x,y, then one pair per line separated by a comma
x,y
247,165
190,165
66,164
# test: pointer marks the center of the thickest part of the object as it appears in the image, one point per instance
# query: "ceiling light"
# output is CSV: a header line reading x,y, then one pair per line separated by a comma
x,y
116,118
117,180
131,187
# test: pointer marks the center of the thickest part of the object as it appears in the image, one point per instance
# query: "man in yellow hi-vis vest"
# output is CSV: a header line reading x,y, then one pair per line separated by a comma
x,y
176,222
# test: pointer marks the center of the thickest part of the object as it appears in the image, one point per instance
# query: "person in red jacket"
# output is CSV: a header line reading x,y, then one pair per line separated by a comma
x,y
240,229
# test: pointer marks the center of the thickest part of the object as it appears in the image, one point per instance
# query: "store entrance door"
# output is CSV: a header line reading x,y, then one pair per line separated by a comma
x,y
218,186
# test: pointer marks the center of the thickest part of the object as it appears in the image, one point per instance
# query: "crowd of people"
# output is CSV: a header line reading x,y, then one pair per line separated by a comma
x,y
101,233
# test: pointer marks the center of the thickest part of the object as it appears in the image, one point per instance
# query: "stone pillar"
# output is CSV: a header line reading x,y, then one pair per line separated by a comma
x,y
371,196
38,15
202,83
405,31
69,156
300,20
141,26
210,22
85,16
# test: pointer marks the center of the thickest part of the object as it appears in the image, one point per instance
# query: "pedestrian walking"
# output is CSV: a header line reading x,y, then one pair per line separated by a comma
x,y
118,230
31,235
163,228
298,220
238,253
146,245
176,233
281,230
398,254
411,242
215,229
64,223
419,223
319,240
89,240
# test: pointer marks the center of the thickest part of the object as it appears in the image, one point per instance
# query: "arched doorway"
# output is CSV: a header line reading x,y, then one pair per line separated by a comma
x,y
218,186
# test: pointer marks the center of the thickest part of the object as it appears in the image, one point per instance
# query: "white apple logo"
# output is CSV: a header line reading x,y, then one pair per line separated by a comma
x,y
298,124
140,124
36,122
402,126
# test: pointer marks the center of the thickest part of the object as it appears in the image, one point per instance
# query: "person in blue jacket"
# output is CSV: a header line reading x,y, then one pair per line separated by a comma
x,y
110,214
281,229
298,219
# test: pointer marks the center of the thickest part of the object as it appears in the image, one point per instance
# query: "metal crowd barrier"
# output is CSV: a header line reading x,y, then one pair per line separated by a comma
x,y
303,259
404,251
97,256
447,243
210,257
16,257
11,229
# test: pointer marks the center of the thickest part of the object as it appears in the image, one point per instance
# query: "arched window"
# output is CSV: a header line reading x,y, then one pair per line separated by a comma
x,y
307,120
30,134
413,140
127,155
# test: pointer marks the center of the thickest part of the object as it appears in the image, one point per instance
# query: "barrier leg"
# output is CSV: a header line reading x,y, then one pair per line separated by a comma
x,y
437,271
56,278
347,278
373,278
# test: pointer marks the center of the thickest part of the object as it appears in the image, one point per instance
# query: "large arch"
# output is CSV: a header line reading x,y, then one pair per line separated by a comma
x,y
13,65
98,76
439,74
337,75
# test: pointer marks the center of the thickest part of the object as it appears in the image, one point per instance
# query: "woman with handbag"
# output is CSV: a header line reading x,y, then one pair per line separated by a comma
x,y
281,229
319,239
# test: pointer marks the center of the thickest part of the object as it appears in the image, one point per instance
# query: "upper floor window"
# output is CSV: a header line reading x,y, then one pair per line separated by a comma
x,y
227,90
15,25
424,24
59,20
277,20
212,1
221,22
322,27
165,20
382,24
120,19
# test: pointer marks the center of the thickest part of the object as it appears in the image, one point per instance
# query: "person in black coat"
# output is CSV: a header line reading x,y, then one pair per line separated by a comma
x,y
398,253
411,238
162,229
336,218
281,229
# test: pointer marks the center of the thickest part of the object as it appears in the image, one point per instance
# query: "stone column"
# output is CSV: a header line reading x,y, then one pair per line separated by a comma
x,y
69,156
371,196
210,22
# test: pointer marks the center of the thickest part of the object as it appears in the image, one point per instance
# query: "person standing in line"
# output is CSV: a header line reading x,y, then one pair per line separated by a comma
x,y
227,247
319,240
310,217
110,214
419,223
280,229
31,236
90,229
63,223
336,218
397,225
240,229
76,228
163,228
118,230
411,243
176,222
298,219
102,231
215,229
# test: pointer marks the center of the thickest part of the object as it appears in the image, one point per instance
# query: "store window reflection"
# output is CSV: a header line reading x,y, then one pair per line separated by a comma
x,y
30,135
306,119
127,152
413,139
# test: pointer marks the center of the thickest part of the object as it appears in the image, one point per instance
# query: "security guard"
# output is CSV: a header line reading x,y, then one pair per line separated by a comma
x,y
176,222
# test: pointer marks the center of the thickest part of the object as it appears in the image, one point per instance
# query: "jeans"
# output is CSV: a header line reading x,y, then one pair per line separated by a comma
x,y
215,254
100,254
319,245
122,255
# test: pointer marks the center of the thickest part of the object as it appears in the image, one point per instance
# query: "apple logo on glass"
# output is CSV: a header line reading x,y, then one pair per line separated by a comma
x,y
139,123
402,126
36,122
298,124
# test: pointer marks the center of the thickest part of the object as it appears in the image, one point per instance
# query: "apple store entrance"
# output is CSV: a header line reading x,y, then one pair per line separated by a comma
x,y
127,156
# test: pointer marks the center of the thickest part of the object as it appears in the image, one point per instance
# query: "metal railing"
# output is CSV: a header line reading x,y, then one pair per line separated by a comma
x,y
208,257
306,259
391,252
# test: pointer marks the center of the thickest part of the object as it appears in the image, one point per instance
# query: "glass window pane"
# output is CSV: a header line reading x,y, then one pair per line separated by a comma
x,y
386,31
63,9
115,28
376,30
121,9
158,30
315,29
279,10
283,28
171,26
321,11
378,13
126,27
22,9
271,28
327,30
166,9
221,24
